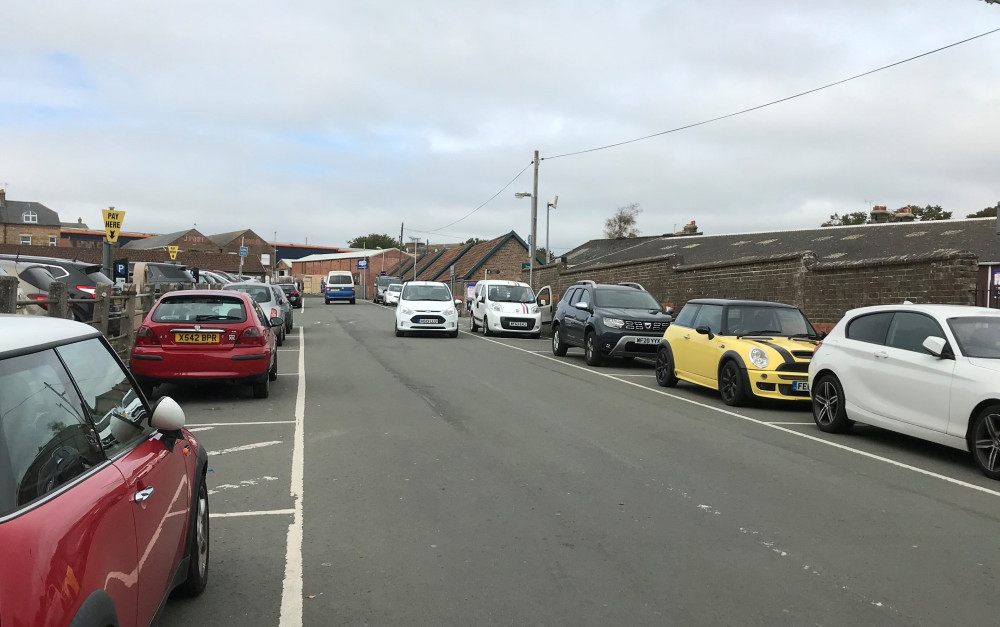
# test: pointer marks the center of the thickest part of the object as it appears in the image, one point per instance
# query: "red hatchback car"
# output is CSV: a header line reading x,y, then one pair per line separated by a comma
x,y
103,502
206,335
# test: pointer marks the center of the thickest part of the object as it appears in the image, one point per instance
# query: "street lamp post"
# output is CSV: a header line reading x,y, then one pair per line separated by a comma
x,y
531,238
548,251
414,240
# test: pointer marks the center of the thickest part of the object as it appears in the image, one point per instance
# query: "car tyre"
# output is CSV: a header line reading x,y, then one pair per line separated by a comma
x,y
199,544
352,301
472,321
486,326
453,333
665,375
984,441
558,346
281,337
828,405
272,374
147,388
591,352
261,389
399,332
732,387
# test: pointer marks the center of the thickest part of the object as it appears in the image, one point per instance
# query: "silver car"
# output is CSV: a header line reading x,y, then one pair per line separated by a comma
x,y
268,301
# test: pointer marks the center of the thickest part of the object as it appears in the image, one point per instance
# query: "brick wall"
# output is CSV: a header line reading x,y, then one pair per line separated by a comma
x,y
823,290
507,260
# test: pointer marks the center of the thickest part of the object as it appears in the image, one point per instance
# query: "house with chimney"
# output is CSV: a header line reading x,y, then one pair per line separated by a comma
x,y
28,223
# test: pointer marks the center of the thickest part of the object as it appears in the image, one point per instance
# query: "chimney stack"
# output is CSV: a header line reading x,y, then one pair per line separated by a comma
x,y
3,197
880,214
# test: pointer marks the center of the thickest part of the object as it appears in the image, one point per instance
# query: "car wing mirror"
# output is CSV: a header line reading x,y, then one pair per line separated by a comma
x,y
276,322
458,302
668,310
582,306
167,415
705,330
936,346
542,302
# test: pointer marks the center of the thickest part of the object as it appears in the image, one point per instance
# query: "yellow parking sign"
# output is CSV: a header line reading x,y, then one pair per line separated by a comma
x,y
173,252
113,219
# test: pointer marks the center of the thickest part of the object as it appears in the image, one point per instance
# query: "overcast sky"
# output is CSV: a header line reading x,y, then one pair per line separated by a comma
x,y
327,120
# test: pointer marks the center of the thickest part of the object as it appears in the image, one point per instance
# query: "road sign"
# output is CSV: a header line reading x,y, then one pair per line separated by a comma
x,y
382,273
173,252
113,219
525,265
362,264
244,251
488,272
120,269
452,270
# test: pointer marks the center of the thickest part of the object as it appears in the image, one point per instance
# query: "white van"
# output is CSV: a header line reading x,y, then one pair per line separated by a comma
x,y
339,286
506,307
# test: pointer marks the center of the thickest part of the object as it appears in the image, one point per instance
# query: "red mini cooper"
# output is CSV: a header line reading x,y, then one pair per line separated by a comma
x,y
103,502
206,335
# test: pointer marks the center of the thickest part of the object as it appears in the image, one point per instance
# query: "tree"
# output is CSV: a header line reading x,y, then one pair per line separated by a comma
x,y
988,212
474,240
374,240
930,212
623,223
848,219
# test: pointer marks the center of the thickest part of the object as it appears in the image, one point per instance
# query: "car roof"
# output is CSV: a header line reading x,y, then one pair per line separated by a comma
x,y
945,311
727,301
52,261
426,283
500,282
19,334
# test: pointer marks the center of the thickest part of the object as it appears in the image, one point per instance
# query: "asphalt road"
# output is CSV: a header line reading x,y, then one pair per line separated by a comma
x,y
476,481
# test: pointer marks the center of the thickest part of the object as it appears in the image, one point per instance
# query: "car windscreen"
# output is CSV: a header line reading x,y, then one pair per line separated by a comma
x,y
395,287
426,292
383,281
171,273
260,293
340,279
624,299
510,294
200,308
764,320
978,336
288,289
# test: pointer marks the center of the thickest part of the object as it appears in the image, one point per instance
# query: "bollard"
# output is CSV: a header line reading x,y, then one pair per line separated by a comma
x,y
8,294
130,300
102,308
58,295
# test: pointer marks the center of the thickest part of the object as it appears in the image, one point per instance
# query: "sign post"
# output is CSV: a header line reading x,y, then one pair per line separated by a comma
x,y
244,251
113,219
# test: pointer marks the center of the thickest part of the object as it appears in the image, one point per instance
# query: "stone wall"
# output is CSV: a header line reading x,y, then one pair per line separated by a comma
x,y
823,290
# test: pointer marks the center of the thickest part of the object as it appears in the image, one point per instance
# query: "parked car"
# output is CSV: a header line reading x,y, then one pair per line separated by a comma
x,y
382,283
392,294
286,306
339,285
162,273
26,289
505,307
81,280
103,506
608,321
928,371
266,298
742,348
426,306
207,335
292,293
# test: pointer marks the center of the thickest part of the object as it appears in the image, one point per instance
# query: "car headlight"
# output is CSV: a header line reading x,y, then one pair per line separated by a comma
x,y
614,323
759,357
496,307
406,311
449,312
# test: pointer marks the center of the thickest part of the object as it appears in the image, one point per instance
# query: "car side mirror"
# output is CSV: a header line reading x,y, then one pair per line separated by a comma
x,y
668,310
543,302
821,335
582,306
276,322
705,330
167,415
937,346
458,302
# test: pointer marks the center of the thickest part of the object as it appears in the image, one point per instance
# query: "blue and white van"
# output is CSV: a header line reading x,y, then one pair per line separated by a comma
x,y
339,286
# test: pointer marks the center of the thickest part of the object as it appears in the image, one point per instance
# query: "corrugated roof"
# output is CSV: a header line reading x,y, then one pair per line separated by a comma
x,y
160,241
353,254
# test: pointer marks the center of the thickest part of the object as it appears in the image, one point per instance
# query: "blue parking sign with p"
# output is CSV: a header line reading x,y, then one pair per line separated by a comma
x,y
244,251
362,264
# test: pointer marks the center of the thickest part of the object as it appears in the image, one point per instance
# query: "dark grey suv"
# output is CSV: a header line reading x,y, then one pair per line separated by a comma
x,y
608,321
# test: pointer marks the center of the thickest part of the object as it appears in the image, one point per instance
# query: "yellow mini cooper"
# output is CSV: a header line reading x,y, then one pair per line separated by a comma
x,y
742,348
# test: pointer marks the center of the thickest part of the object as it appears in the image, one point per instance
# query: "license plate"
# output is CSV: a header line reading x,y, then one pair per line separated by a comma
x,y
800,386
196,338
518,324
647,340
426,321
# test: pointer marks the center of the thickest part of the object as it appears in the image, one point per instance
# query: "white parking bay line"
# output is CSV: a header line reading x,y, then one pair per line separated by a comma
x,y
270,512
792,423
775,426
243,424
245,447
616,374
291,587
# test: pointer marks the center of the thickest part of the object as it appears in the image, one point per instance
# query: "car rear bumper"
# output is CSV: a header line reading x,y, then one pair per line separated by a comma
x,y
340,295
238,363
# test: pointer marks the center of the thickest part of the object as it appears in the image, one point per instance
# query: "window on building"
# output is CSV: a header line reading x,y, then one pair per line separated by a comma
x,y
26,240
29,217
53,240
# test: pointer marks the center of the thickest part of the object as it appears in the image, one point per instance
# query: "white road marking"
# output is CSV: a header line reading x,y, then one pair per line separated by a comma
x,y
270,512
196,429
288,374
242,484
791,423
245,447
776,427
243,424
291,588
618,374
288,350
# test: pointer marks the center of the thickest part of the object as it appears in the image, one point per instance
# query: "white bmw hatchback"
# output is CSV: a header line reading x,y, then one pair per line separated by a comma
x,y
426,306
929,371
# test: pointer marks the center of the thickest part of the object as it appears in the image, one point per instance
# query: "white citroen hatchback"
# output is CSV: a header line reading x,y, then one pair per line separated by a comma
x,y
929,371
426,306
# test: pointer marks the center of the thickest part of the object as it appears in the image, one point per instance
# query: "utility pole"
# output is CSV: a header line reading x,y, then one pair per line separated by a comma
x,y
534,227
241,258
401,235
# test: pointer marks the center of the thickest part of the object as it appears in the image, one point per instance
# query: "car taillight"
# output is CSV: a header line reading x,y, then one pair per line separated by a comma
x,y
145,337
252,337
39,297
816,348
295,293
89,289
274,312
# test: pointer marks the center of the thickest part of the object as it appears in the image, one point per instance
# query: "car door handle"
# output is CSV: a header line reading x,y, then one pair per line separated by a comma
x,y
142,495
881,355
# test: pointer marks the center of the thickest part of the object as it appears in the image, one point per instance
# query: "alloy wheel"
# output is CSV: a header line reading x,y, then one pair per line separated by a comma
x,y
727,382
826,403
201,532
988,442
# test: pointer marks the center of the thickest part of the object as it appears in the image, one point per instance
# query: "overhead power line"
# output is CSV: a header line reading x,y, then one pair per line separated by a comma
x,y
488,200
773,102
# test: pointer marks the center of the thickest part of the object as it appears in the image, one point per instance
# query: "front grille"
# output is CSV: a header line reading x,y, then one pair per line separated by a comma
x,y
803,354
639,325
426,319
795,366
527,323
650,349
